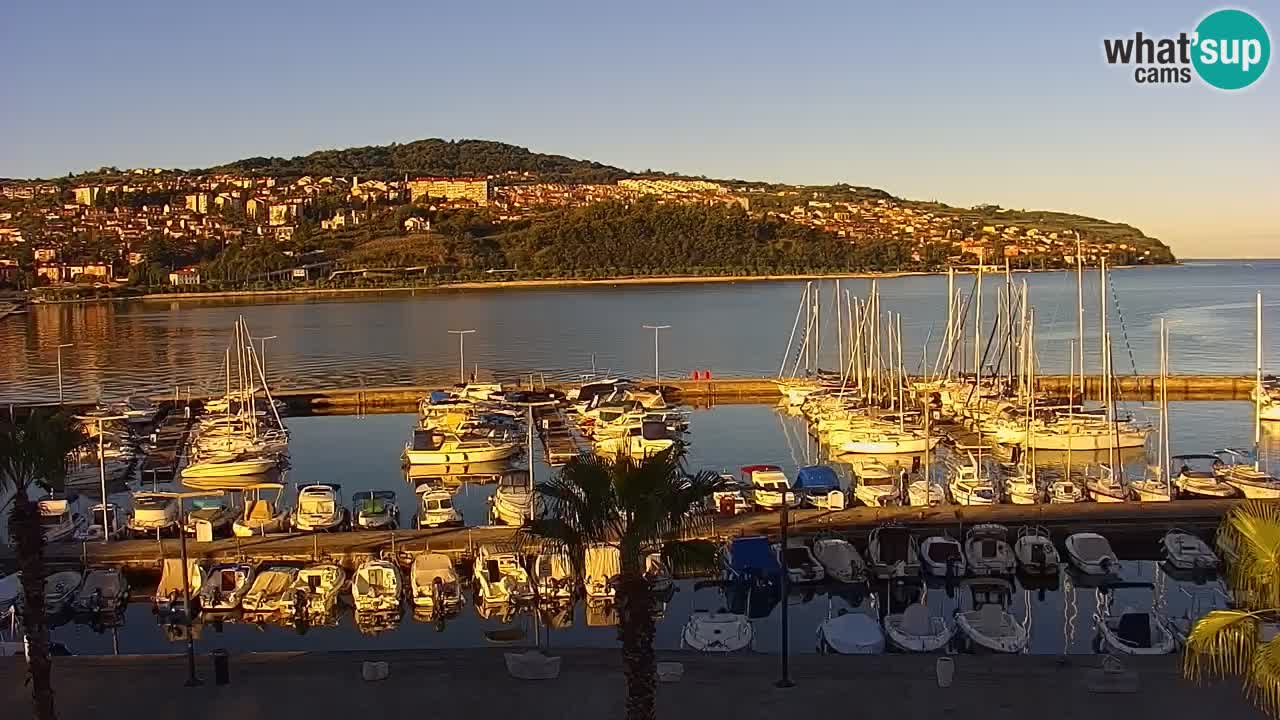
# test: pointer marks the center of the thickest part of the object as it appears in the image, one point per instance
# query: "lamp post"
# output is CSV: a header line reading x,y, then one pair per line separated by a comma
x,y
102,474
63,345
462,358
657,376
192,680
785,681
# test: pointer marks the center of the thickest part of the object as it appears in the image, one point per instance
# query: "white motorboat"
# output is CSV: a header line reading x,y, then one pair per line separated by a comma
x,y
60,589
500,578
1091,554
272,588
168,596
433,582
436,508
1135,633
970,483
553,577
987,550
732,498
819,486
513,500
10,589
915,629
942,556
225,585
1238,470
840,560
260,515
1020,487
1062,490
886,440
892,551
430,446
58,519
876,494
922,493
769,485
799,562
1184,551
989,625
104,590
376,587
375,510
229,465
717,631
153,513
211,517
639,441
116,526
1035,551
1087,434
319,509
602,565
316,590
852,632
1103,486
1197,477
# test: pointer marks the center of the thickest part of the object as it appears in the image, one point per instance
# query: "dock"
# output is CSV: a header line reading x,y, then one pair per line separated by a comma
x,y
1132,527
161,464
560,441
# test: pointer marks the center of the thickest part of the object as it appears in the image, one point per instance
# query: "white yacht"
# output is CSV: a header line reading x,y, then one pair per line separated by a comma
x,y
1197,476
377,587
1238,470
513,500
317,588
261,516
892,551
430,446
271,590
500,578
58,519
1104,486
852,632
153,513
769,486
375,510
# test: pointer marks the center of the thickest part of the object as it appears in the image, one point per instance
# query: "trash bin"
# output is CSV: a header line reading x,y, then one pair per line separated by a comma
x,y
221,667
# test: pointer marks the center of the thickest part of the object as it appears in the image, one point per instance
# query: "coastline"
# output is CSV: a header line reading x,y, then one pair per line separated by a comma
x,y
553,283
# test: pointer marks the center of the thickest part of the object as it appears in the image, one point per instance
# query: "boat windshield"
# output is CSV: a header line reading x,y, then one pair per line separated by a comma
x,y
797,557
52,520
316,507
439,503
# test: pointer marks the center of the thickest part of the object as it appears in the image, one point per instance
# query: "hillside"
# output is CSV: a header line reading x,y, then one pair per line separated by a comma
x,y
431,157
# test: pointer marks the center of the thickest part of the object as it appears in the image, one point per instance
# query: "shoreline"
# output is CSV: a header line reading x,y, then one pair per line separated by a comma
x,y
551,283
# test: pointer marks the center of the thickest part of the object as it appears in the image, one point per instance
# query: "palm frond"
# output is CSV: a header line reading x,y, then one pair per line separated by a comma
x,y
1250,539
1221,643
690,557
1264,677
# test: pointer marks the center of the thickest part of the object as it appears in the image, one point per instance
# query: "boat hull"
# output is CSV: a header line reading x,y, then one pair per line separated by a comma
x,y
459,457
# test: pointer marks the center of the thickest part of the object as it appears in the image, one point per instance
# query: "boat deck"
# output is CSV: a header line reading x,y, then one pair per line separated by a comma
x,y
560,441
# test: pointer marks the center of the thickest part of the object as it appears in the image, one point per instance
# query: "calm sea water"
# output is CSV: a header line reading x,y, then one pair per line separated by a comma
x,y
363,453
730,329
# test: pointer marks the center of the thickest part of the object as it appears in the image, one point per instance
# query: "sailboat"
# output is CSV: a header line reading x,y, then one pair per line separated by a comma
x,y
1157,485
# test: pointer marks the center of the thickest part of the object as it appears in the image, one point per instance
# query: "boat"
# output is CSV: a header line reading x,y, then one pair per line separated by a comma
x,y
499,577
513,500
602,564
942,556
1197,477
886,441
1240,470
553,577
801,566
750,560
433,582
115,528
375,510
1063,490
852,632
1152,487
1103,486
718,630
170,591
970,484
104,590
376,587
641,440
430,446
138,410
1184,551
877,485
1134,633
260,515
987,550
224,586
228,465
60,589
58,519
769,485
10,590
1020,487
819,486
271,590
916,629
1036,552
210,515
436,508
315,591
840,560
892,551
1091,554
732,497
153,513
989,625
319,509
922,493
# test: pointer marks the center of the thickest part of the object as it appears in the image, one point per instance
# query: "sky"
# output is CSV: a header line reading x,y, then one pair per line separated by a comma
x,y
964,103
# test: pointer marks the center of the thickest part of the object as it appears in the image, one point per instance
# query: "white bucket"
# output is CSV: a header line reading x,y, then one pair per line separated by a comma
x,y
374,671
945,670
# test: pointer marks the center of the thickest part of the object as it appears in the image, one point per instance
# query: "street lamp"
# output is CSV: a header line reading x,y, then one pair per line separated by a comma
x,y
462,359
63,345
192,680
655,328
785,680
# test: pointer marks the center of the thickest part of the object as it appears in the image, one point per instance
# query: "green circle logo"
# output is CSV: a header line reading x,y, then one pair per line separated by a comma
x,y
1232,49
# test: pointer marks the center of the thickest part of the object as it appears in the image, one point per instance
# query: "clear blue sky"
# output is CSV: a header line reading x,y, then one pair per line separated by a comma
x,y
960,102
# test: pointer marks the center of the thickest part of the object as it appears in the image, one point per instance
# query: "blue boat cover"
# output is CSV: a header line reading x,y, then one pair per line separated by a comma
x,y
438,396
817,478
752,555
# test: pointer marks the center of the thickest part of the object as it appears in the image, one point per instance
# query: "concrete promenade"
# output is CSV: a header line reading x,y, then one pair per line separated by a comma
x,y
474,684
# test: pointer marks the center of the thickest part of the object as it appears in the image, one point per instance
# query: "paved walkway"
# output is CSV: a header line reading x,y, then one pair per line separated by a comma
x,y
474,683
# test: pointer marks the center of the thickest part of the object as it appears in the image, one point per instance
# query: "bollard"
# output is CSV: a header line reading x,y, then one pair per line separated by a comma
x,y
221,667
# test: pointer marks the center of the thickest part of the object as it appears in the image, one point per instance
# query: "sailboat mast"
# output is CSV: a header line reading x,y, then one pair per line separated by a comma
x,y
977,328
1080,311
1102,311
817,326
1164,409
839,326
902,379
951,320
1257,390
786,355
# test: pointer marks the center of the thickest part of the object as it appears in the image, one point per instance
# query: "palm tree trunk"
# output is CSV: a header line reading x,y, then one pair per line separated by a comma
x,y
636,631
24,520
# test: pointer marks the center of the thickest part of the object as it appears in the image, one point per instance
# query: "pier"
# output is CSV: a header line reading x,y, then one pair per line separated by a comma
x,y
161,464
560,442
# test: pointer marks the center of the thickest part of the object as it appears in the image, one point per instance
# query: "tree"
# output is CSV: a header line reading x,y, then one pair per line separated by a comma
x,y
640,506
35,453
1228,642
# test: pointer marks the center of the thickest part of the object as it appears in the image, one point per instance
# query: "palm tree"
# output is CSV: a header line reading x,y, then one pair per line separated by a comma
x,y
1230,642
35,453
640,506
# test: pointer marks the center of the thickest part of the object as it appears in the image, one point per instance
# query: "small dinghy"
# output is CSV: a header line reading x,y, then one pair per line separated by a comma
x,y
225,586
1091,554
553,577
801,566
315,591
375,510
433,582
820,487
840,560
104,590
942,556
915,629
261,515
719,630
60,589
376,587
1035,552
271,589
987,550
893,552
602,564
1135,633
169,593
989,625
1184,551
852,632
500,578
